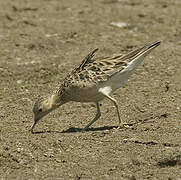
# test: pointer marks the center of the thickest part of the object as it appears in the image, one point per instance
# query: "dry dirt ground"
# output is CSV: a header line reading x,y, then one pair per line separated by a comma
x,y
42,40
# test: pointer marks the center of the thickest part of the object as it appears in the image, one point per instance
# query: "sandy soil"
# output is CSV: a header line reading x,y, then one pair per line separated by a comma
x,y
41,41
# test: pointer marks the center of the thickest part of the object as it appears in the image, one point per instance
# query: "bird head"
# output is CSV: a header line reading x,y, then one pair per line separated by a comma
x,y
42,107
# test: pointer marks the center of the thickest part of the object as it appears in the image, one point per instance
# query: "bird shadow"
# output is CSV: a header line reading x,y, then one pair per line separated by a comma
x,y
102,128
74,130
77,130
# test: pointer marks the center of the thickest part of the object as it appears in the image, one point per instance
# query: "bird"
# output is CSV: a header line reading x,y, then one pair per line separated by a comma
x,y
92,81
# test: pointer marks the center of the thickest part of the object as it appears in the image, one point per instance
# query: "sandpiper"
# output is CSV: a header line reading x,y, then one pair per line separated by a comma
x,y
92,81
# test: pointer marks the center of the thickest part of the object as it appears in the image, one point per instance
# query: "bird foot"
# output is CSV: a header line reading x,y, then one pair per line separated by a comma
x,y
123,125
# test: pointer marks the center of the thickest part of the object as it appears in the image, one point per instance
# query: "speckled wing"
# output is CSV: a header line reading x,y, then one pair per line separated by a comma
x,y
94,70
100,69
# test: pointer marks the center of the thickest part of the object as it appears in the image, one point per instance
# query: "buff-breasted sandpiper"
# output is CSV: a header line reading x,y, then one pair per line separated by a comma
x,y
92,81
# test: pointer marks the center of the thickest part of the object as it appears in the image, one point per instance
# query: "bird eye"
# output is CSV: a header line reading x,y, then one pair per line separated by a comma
x,y
40,110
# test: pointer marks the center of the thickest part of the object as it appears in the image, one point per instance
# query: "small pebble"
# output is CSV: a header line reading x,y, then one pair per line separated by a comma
x,y
120,24
19,81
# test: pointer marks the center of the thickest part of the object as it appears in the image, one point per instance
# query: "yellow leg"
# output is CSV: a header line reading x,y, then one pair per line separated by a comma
x,y
98,114
116,105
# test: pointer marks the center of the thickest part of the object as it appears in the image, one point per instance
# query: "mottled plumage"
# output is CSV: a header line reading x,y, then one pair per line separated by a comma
x,y
92,81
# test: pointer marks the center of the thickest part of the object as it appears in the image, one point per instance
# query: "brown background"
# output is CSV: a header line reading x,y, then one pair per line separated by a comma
x,y
42,40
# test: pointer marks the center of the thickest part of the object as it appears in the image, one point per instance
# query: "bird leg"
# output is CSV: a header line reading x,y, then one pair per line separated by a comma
x,y
98,114
121,124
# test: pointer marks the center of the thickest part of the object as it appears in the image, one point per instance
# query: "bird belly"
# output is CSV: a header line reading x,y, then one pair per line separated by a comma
x,y
85,94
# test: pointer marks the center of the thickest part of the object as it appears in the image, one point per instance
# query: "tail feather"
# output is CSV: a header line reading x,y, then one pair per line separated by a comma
x,y
139,55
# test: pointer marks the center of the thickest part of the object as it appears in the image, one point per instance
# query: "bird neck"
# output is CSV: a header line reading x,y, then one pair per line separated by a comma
x,y
55,101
